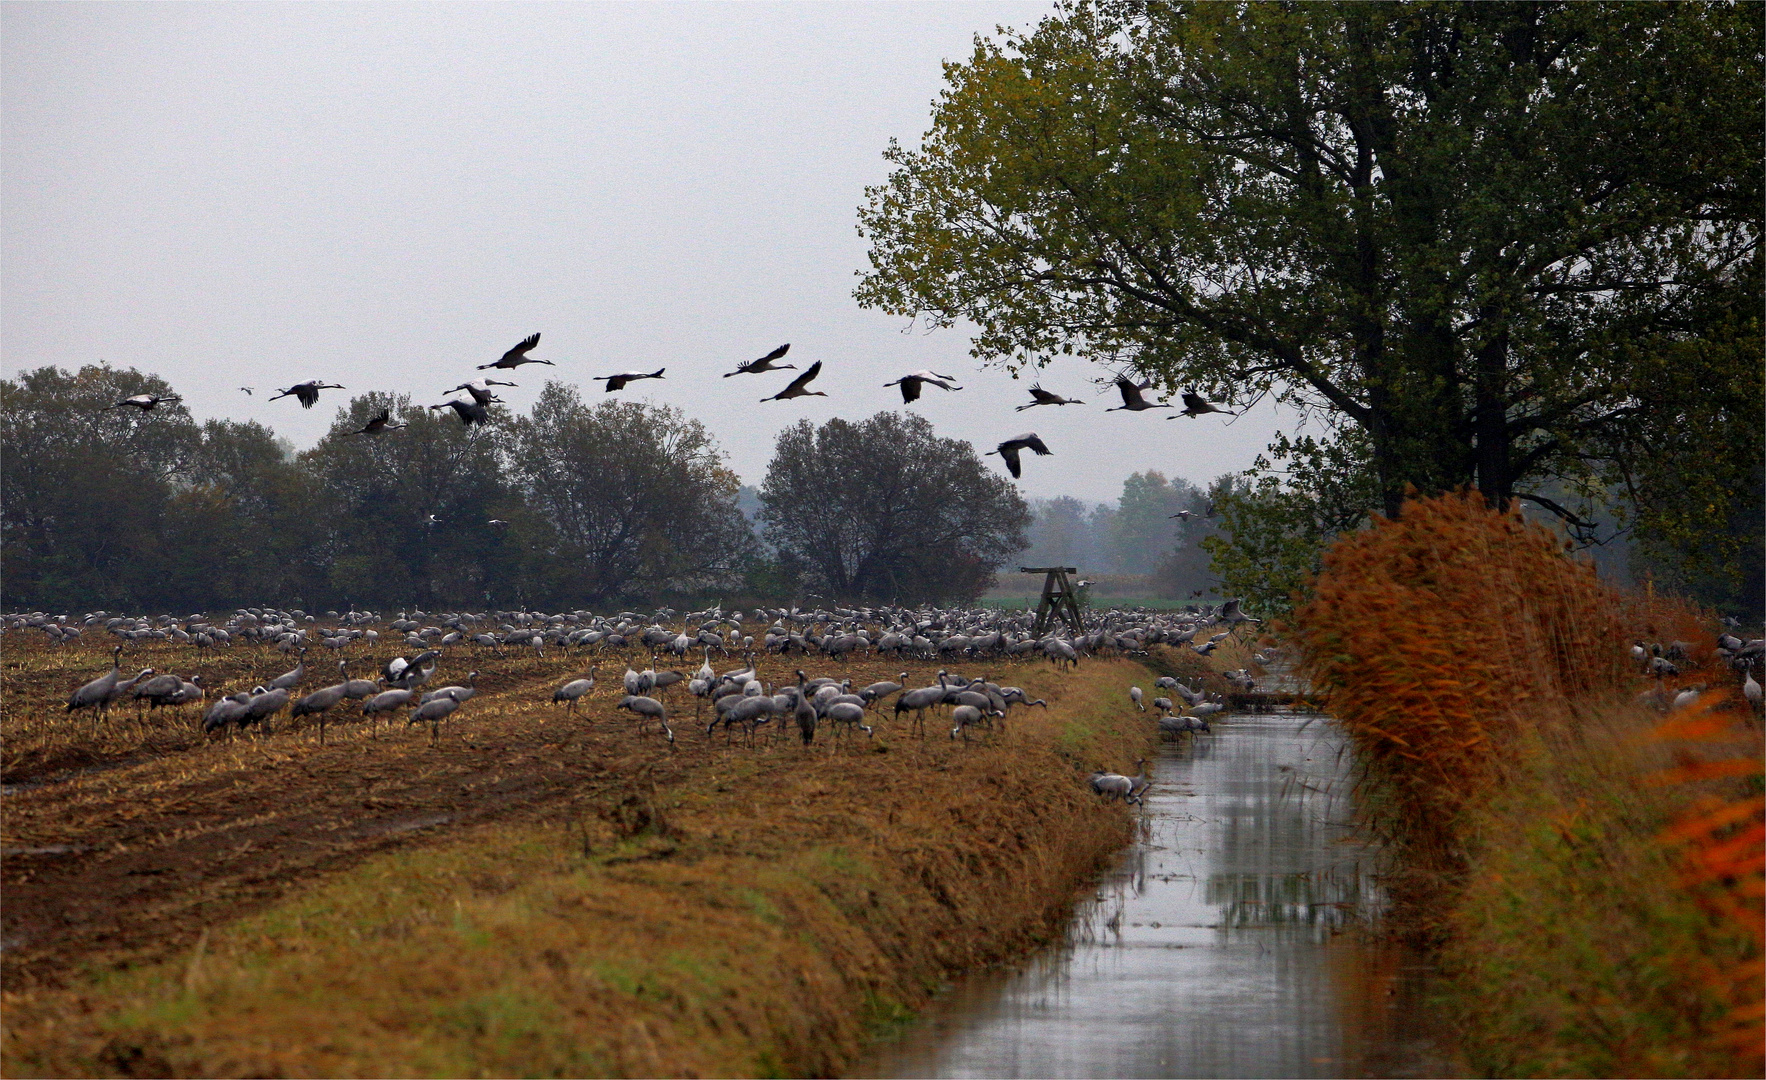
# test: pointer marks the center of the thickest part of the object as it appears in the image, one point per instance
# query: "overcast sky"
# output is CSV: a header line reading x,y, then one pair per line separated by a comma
x,y
386,195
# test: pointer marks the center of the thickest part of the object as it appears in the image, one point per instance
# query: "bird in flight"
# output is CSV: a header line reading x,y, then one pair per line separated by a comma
x,y
1043,397
307,393
381,421
1132,401
247,390
469,412
765,363
145,402
617,382
496,522
911,384
1184,514
1195,405
517,356
1008,450
480,389
796,389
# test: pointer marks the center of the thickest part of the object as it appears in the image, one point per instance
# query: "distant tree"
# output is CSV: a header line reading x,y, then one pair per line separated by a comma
x,y
407,511
1185,570
884,509
84,488
1144,531
624,501
1059,533
1277,519
246,527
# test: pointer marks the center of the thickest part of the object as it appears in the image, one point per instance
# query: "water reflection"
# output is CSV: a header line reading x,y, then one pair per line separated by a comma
x,y
1224,943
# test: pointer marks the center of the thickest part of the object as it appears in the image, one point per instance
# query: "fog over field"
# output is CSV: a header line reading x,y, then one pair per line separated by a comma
x,y
388,195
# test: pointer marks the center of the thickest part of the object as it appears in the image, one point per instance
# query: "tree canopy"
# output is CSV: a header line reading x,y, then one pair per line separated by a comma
x,y
885,510
1503,244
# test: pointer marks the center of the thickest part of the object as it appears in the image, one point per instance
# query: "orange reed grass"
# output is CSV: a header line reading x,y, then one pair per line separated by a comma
x,y
1722,837
1430,635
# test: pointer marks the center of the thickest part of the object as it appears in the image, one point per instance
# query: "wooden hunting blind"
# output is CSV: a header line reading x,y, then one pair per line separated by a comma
x,y
1057,598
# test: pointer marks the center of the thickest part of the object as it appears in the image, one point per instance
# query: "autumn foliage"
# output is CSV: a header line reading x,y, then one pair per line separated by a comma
x,y
1432,634
1593,872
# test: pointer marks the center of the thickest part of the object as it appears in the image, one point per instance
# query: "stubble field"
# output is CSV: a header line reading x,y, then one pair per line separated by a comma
x,y
151,872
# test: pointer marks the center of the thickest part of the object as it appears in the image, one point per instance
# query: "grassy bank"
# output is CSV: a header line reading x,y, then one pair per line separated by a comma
x,y
1590,873
730,913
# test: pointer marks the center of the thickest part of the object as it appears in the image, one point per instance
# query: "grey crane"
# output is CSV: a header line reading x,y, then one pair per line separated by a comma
x,y
404,673
145,402
379,422
965,717
469,412
459,693
1112,785
575,689
1043,397
848,714
918,701
765,363
481,391
433,712
228,710
805,715
1195,405
1009,450
288,680
307,393
1139,783
1135,694
96,694
1132,398
121,689
188,694
316,704
387,701
156,690
517,356
647,709
877,691
799,386
1230,613
264,705
911,385
356,689
618,382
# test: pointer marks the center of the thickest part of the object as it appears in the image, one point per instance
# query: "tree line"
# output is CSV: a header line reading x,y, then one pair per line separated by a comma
x,y
568,505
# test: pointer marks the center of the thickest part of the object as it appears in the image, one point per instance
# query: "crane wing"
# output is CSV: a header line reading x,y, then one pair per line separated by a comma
x,y
522,349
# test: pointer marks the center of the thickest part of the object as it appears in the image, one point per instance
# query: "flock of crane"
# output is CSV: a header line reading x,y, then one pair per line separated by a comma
x,y
475,407
739,700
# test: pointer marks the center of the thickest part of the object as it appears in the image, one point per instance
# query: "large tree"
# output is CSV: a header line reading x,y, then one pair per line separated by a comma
x,y
85,486
1473,233
624,500
886,510
408,511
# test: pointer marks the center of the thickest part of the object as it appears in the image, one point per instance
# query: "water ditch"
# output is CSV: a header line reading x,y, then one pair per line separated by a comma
x,y
1231,939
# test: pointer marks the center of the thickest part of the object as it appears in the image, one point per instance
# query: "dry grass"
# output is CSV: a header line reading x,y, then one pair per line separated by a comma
x,y
589,902
1597,920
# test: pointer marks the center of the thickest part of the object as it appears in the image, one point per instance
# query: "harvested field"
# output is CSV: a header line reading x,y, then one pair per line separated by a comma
x,y
268,904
